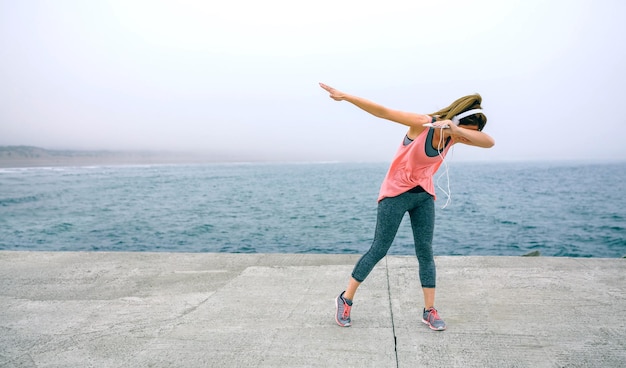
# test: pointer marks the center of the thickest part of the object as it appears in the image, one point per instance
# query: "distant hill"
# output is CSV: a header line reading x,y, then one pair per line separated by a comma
x,y
30,152
29,156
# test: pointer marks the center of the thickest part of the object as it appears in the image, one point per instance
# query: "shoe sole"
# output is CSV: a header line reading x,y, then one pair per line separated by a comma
x,y
337,313
433,327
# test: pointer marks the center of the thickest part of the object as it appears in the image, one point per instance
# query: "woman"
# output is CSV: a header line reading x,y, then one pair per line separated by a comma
x,y
408,187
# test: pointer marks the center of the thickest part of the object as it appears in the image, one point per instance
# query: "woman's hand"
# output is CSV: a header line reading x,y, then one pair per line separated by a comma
x,y
444,123
334,94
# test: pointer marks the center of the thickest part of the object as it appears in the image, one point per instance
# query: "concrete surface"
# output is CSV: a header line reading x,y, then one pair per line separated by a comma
x,y
67,309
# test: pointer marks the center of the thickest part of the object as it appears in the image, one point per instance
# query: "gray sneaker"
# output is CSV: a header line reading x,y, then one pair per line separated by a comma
x,y
432,319
342,313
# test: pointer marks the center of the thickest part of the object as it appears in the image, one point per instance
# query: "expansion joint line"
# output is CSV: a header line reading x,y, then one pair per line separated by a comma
x,y
393,325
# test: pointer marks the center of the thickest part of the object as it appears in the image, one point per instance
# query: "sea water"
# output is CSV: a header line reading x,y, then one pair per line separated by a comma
x,y
559,209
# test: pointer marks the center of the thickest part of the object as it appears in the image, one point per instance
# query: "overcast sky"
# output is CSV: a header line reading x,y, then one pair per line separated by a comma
x,y
240,77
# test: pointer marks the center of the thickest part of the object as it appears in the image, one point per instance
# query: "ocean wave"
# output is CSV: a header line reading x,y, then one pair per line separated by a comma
x,y
5,202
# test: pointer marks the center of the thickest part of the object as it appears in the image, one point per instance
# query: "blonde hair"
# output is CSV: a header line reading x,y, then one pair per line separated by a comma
x,y
463,104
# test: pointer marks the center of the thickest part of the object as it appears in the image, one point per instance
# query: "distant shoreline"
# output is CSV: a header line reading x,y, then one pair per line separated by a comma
x,y
29,156
85,161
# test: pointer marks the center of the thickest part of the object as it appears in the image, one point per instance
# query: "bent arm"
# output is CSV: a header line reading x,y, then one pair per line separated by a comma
x,y
472,137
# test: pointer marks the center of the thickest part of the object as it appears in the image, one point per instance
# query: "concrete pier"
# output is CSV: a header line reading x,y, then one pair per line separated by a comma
x,y
74,309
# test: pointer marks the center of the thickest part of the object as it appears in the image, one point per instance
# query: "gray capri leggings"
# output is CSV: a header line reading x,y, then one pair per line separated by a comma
x,y
421,208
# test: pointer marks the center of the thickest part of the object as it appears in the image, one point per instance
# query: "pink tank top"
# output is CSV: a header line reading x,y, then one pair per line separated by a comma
x,y
413,166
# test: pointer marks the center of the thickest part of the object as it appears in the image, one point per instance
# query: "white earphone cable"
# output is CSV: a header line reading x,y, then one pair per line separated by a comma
x,y
448,193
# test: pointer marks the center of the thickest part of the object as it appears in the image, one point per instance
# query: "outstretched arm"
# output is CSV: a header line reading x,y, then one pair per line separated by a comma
x,y
413,120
